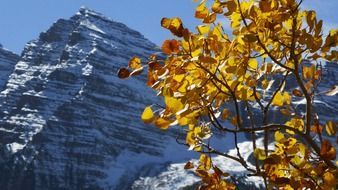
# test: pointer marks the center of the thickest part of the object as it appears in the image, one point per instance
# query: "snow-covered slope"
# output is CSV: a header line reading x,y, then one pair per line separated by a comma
x,y
66,120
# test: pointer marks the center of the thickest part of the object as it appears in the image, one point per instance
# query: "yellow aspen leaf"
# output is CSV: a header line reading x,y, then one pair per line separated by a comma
x,y
205,162
179,77
253,63
331,128
135,63
296,123
333,91
162,123
174,25
309,72
259,154
286,98
217,7
288,24
147,115
123,73
201,11
217,31
203,29
173,104
279,136
278,100
170,46
190,138
235,20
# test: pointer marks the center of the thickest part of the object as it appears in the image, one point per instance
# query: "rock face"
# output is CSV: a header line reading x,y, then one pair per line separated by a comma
x,y
66,119
7,62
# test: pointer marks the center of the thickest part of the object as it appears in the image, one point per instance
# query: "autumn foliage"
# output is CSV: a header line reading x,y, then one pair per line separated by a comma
x,y
209,75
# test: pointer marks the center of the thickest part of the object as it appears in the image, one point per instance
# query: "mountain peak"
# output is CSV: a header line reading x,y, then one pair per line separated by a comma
x,y
87,12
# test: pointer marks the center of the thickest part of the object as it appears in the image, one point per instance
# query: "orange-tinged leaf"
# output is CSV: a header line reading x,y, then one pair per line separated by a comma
x,y
154,65
170,46
331,128
188,165
135,63
174,25
147,115
309,72
207,59
201,11
327,150
162,123
317,129
210,18
165,23
330,179
151,79
231,5
123,73
225,114
297,93
310,19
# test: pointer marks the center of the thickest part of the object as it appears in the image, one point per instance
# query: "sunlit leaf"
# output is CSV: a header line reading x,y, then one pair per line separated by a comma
x,y
170,46
259,154
331,128
147,115
162,123
135,63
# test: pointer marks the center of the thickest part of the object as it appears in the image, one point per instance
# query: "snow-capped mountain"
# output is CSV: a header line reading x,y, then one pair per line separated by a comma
x,y
67,121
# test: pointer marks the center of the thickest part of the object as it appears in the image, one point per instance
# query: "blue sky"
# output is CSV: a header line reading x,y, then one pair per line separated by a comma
x,y
23,20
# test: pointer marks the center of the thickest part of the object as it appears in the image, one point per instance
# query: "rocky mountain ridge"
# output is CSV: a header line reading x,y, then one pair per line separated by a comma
x,y
66,119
